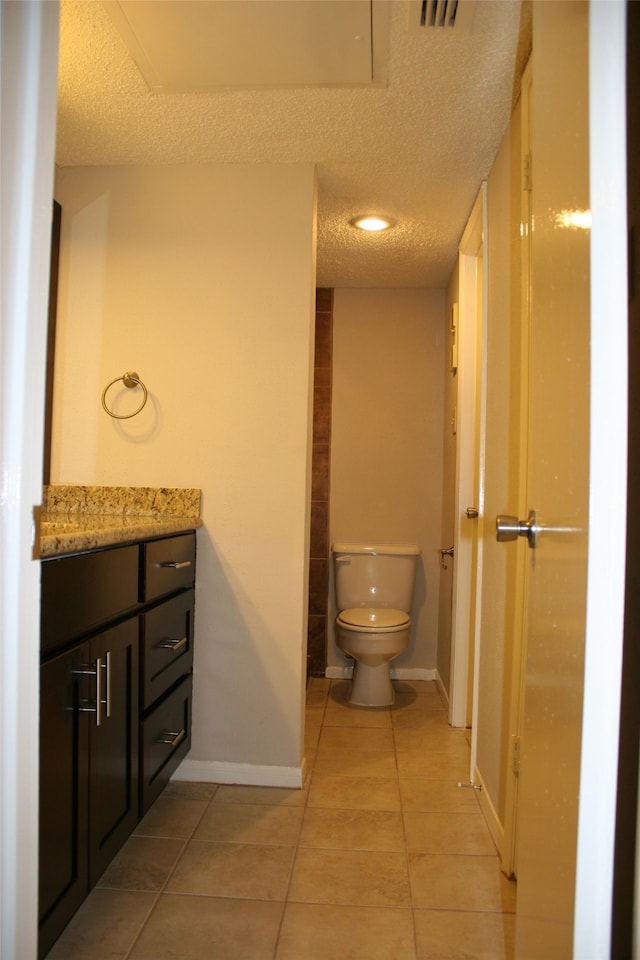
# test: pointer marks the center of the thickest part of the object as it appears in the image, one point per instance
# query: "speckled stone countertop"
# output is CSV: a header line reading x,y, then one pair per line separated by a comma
x,y
76,518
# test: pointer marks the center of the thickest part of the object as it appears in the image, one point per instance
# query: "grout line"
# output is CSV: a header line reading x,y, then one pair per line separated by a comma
x,y
163,888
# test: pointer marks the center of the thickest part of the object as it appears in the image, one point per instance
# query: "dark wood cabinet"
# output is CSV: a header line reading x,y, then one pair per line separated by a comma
x,y
64,791
113,746
116,662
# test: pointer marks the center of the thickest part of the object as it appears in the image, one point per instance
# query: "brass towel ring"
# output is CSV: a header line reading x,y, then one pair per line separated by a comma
x,y
130,379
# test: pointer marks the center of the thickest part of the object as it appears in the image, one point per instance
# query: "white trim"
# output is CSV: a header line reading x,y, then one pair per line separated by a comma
x,y
338,673
608,480
412,673
397,673
467,447
442,690
489,812
28,64
248,774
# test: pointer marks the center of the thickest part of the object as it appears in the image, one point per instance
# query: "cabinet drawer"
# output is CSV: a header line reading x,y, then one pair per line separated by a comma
x,y
81,592
169,565
165,738
167,646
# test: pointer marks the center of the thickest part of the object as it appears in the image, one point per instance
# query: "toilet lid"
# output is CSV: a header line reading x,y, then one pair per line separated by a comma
x,y
378,618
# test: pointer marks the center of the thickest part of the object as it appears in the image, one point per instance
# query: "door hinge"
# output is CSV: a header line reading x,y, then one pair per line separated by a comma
x,y
526,173
515,755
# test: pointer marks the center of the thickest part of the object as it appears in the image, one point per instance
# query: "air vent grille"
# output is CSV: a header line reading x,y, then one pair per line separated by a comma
x,y
438,13
447,15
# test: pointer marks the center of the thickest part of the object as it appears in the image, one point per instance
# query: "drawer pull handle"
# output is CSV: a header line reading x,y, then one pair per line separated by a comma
x,y
173,644
175,564
172,739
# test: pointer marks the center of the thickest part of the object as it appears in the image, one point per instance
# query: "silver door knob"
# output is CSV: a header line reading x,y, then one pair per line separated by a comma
x,y
510,528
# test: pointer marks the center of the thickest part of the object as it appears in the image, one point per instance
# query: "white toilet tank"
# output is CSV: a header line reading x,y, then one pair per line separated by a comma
x,y
374,574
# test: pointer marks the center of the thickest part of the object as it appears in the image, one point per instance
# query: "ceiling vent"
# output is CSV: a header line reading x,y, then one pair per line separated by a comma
x,y
448,15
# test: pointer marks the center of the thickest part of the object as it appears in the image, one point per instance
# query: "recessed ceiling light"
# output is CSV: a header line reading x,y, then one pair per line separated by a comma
x,y
372,222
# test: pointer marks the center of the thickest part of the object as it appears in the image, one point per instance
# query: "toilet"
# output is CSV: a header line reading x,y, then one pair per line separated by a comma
x,y
374,585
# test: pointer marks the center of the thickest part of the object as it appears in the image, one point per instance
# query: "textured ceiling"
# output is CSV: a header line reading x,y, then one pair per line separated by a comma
x,y
415,147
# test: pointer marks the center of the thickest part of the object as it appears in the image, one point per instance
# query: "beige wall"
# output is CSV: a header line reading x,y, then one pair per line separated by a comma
x,y
201,279
386,440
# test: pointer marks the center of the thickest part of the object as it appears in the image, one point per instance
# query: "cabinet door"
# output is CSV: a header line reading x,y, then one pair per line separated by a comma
x,y
113,746
67,689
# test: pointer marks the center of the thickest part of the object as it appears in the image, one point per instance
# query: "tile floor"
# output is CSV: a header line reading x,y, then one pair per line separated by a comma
x,y
380,857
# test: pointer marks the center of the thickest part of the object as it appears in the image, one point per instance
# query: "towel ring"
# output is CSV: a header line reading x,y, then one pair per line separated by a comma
x,y
130,379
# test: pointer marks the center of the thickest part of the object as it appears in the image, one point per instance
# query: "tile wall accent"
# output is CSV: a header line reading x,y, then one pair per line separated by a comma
x,y
319,547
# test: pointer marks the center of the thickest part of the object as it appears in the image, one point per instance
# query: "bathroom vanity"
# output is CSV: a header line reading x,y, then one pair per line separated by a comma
x,y
116,674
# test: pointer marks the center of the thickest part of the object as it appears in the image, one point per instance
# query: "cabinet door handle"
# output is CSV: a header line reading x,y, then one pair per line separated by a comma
x,y
88,671
175,564
107,667
171,738
173,644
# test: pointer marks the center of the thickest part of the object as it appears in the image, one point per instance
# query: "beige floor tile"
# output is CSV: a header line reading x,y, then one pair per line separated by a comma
x,y
437,796
272,796
342,714
250,823
340,689
105,926
422,688
172,817
431,766
318,683
446,935
204,928
460,883
316,699
451,742
425,702
354,793
246,871
352,830
350,877
318,932
312,730
465,833
189,790
143,863
364,740
355,752
310,759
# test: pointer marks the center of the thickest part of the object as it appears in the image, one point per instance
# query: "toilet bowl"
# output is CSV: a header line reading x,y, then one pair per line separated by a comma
x,y
374,586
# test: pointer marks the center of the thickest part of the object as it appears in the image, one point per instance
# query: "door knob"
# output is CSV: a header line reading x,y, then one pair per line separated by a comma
x,y
510,528
472,513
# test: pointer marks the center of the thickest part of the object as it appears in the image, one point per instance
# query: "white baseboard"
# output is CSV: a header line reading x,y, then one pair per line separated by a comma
x,y
247,774
442,691
496,829
338,673
397,673
412,673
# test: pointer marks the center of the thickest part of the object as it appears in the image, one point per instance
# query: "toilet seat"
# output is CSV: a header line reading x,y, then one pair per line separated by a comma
x,y
373,620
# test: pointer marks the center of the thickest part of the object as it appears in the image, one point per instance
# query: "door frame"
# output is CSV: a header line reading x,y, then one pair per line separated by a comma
x,y
28,65
469,480
608,479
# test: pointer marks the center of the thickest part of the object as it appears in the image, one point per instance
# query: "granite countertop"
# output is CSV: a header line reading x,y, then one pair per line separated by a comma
x,y
77,518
